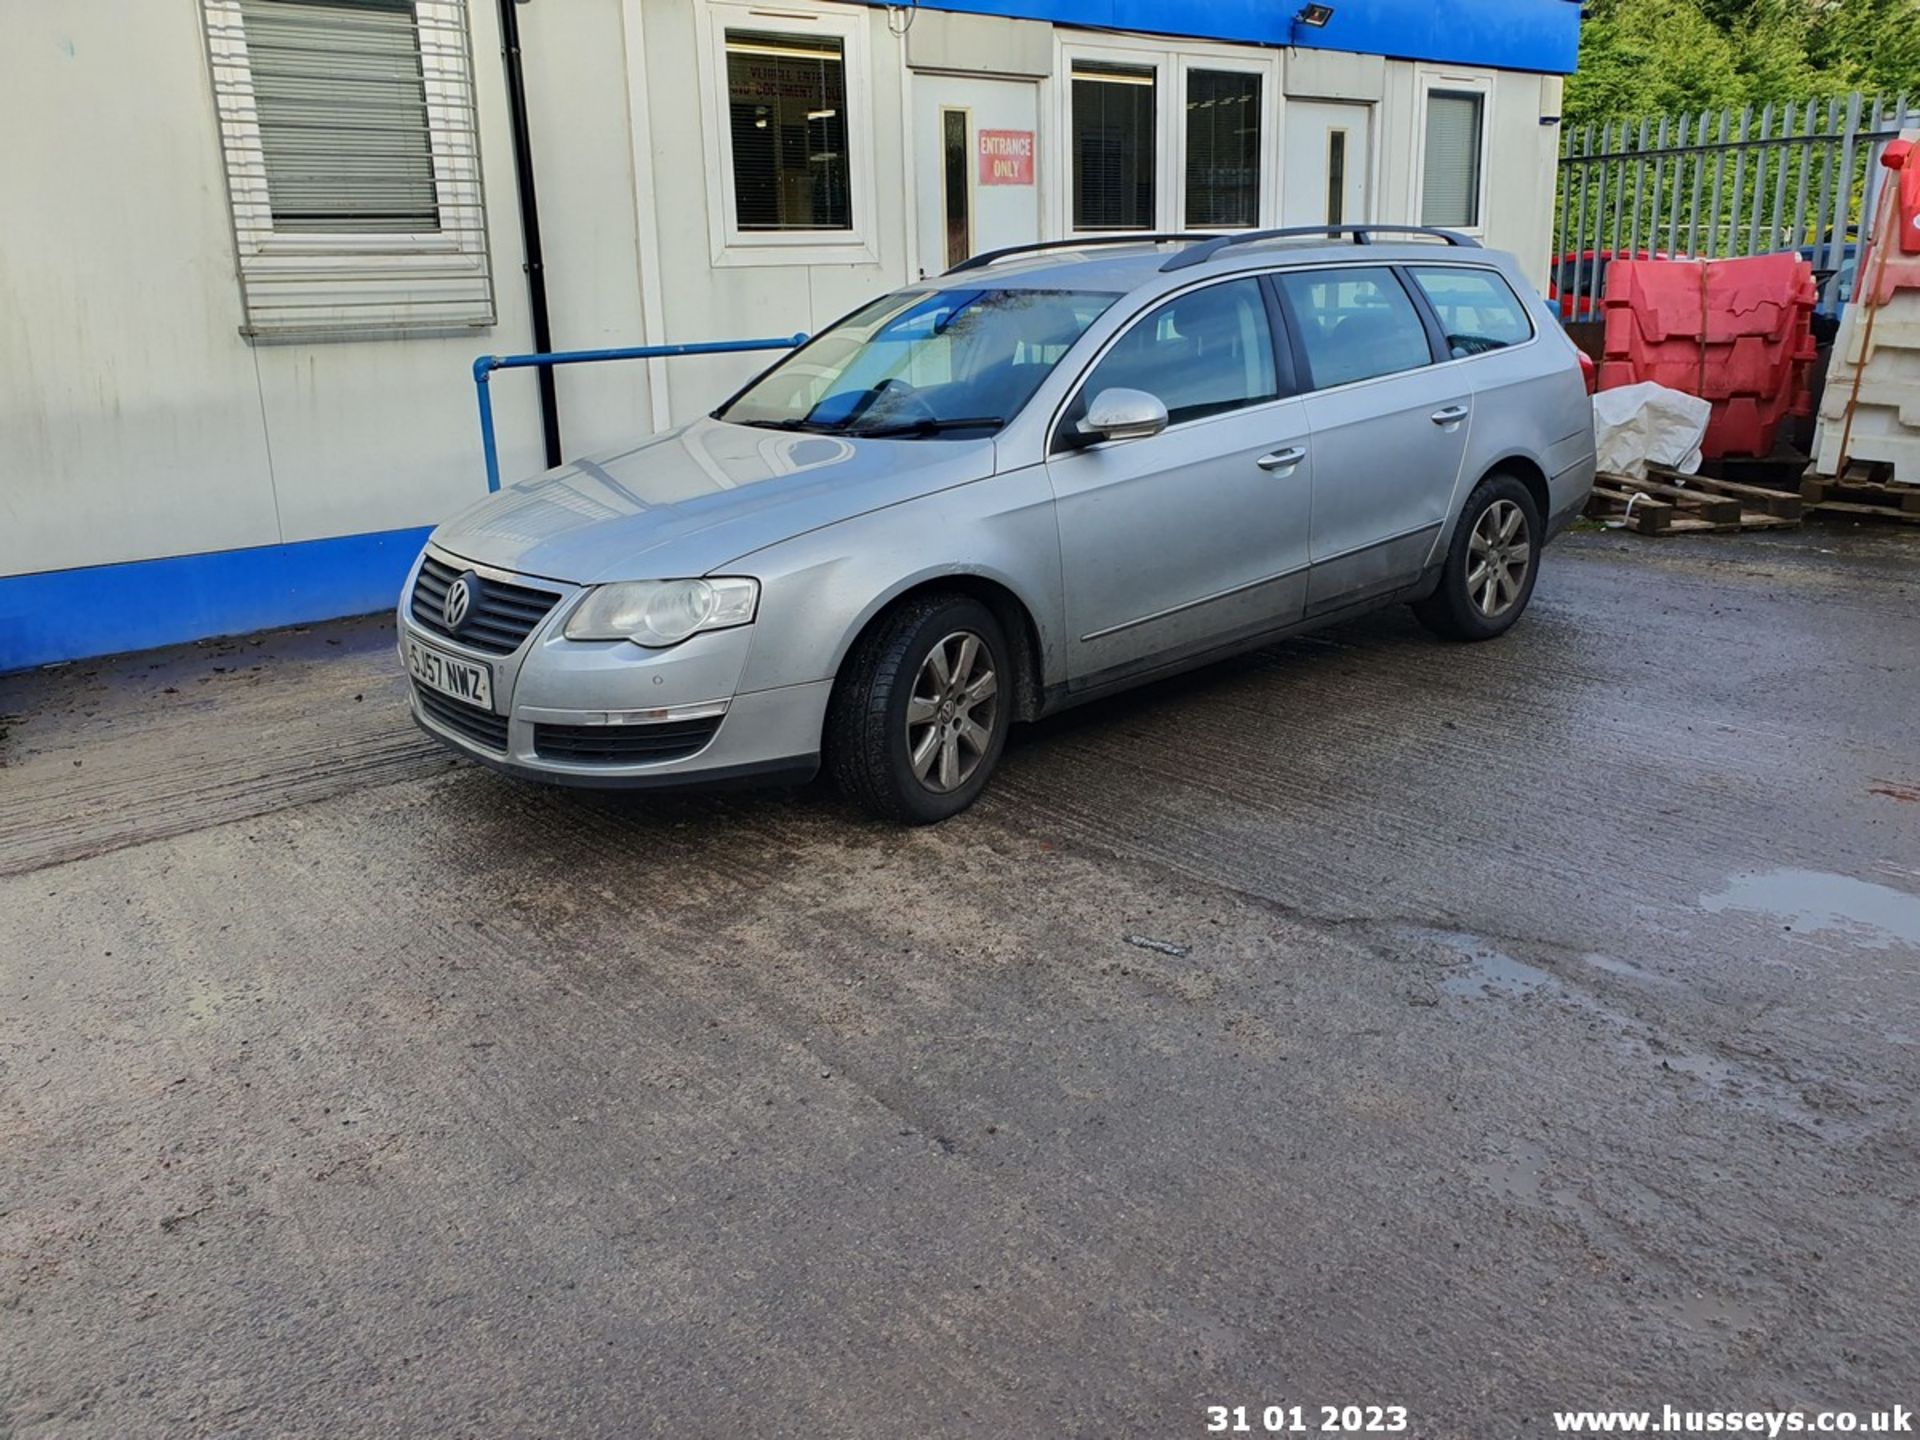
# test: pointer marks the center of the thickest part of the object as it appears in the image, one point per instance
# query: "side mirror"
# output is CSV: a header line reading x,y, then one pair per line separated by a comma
x,y
1121,414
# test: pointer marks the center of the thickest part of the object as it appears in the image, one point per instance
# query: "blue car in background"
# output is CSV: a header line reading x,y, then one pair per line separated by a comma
x,y
1837,289
1836,279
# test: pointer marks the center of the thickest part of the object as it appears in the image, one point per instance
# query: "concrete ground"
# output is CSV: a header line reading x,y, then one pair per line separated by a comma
x,y
1482,1030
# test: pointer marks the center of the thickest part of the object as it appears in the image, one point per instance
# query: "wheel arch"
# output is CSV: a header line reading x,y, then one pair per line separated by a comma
x,y
1009,607
1528,472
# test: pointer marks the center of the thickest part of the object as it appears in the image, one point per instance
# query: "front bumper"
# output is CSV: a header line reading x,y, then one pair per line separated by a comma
x,y
551,687
698,772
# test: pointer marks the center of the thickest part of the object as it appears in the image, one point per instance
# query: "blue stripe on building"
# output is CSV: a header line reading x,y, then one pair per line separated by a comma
x,y
105,609
1537,35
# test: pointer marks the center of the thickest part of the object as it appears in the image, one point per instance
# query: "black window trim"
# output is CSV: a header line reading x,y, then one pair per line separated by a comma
x,y
1437,346
1062,440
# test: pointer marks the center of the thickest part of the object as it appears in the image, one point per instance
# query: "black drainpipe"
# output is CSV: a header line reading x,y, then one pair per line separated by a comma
x,y
530,225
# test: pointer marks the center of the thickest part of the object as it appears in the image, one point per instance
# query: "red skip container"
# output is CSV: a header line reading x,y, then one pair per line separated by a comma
x,y
1737,333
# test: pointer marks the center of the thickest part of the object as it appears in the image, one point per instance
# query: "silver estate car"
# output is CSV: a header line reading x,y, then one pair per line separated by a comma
x,y
1045,476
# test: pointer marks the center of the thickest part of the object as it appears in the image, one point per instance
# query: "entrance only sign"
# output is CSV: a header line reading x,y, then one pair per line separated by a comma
x,y
1006,157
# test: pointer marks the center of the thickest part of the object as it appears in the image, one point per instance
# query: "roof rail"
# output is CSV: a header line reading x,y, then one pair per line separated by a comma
x,y
1361,234
989,257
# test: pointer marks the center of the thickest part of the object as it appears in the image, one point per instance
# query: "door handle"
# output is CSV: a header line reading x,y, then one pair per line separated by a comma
x,y
1283,459
1448,414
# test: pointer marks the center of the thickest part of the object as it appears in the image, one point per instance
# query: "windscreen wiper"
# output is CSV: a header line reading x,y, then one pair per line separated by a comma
x,y
811,427
929,425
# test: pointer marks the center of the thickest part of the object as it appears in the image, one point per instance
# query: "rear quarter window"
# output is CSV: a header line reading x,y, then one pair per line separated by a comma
x,y
1478,309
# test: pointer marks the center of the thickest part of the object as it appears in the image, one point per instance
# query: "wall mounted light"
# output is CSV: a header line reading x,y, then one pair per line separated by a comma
x,y
1314,17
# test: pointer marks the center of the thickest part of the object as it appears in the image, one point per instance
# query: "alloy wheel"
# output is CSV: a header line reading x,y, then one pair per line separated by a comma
x,y
950,714
1497,559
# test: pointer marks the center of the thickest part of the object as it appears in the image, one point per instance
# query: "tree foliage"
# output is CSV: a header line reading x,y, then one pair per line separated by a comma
x,y
1661,57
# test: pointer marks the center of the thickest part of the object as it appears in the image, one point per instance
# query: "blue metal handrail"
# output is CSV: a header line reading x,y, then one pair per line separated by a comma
x,y
485,365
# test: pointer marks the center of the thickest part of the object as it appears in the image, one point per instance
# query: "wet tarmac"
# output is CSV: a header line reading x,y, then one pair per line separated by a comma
x,y
1486,1030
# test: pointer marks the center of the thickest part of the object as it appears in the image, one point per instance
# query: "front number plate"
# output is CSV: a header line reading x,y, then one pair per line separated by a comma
x,y
450,675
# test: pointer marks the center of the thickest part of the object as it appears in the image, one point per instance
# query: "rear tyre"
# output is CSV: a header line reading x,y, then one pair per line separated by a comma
x,y
920,714
1487,577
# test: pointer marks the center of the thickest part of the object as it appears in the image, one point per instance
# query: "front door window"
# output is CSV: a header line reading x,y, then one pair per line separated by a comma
x,y
1201,353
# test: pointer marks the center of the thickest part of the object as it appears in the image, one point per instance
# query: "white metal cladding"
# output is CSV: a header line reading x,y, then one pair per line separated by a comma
x,y
353,164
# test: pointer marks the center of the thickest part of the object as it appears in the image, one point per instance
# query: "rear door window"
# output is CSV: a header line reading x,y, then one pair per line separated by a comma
x,y
1477,309
1355,323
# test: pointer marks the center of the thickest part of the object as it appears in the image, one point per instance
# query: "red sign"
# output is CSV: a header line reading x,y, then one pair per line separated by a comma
x,y
1006,157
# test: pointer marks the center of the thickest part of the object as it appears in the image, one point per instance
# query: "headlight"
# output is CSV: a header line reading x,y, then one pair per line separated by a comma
x,y
658,613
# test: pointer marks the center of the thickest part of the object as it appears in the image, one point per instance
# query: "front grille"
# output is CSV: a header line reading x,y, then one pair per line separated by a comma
x,y
500,618
623,744
483,727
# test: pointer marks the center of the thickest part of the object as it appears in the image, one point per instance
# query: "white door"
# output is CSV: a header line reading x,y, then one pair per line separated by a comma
x,y
1329,157
976,155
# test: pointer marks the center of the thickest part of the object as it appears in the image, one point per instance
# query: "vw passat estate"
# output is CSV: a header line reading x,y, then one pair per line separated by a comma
x,y
1043,477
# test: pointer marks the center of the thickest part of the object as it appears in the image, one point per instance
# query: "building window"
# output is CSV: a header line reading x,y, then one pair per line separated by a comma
x,y
1336,177
1223,148
957,185
787,111
1450,173
1113,146
342,104
353,164
786,133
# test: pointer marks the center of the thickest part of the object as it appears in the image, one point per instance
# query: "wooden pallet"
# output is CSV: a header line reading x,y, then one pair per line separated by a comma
x,y
1669,503
1864,492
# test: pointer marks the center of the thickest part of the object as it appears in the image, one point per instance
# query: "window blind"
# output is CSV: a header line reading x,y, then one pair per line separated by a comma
x,y
1113,149
787,118
342,109
1223,148
1450,176
352,154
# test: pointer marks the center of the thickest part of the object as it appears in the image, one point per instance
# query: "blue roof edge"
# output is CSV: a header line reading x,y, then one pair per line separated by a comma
x,y
1541,36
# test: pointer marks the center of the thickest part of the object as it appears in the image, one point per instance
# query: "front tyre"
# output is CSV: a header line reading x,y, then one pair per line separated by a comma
x,y
1491,563
920,714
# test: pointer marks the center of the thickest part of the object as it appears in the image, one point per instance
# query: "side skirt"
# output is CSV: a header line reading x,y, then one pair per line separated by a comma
x,y
1126,677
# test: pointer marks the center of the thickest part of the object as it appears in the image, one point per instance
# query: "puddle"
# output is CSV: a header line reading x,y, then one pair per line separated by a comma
x,y
1489,972
1515,1175
1712,1313
1700,1067
1626,969
1812,901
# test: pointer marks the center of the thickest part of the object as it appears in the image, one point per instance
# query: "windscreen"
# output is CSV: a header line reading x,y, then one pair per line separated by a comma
x,y
922,364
